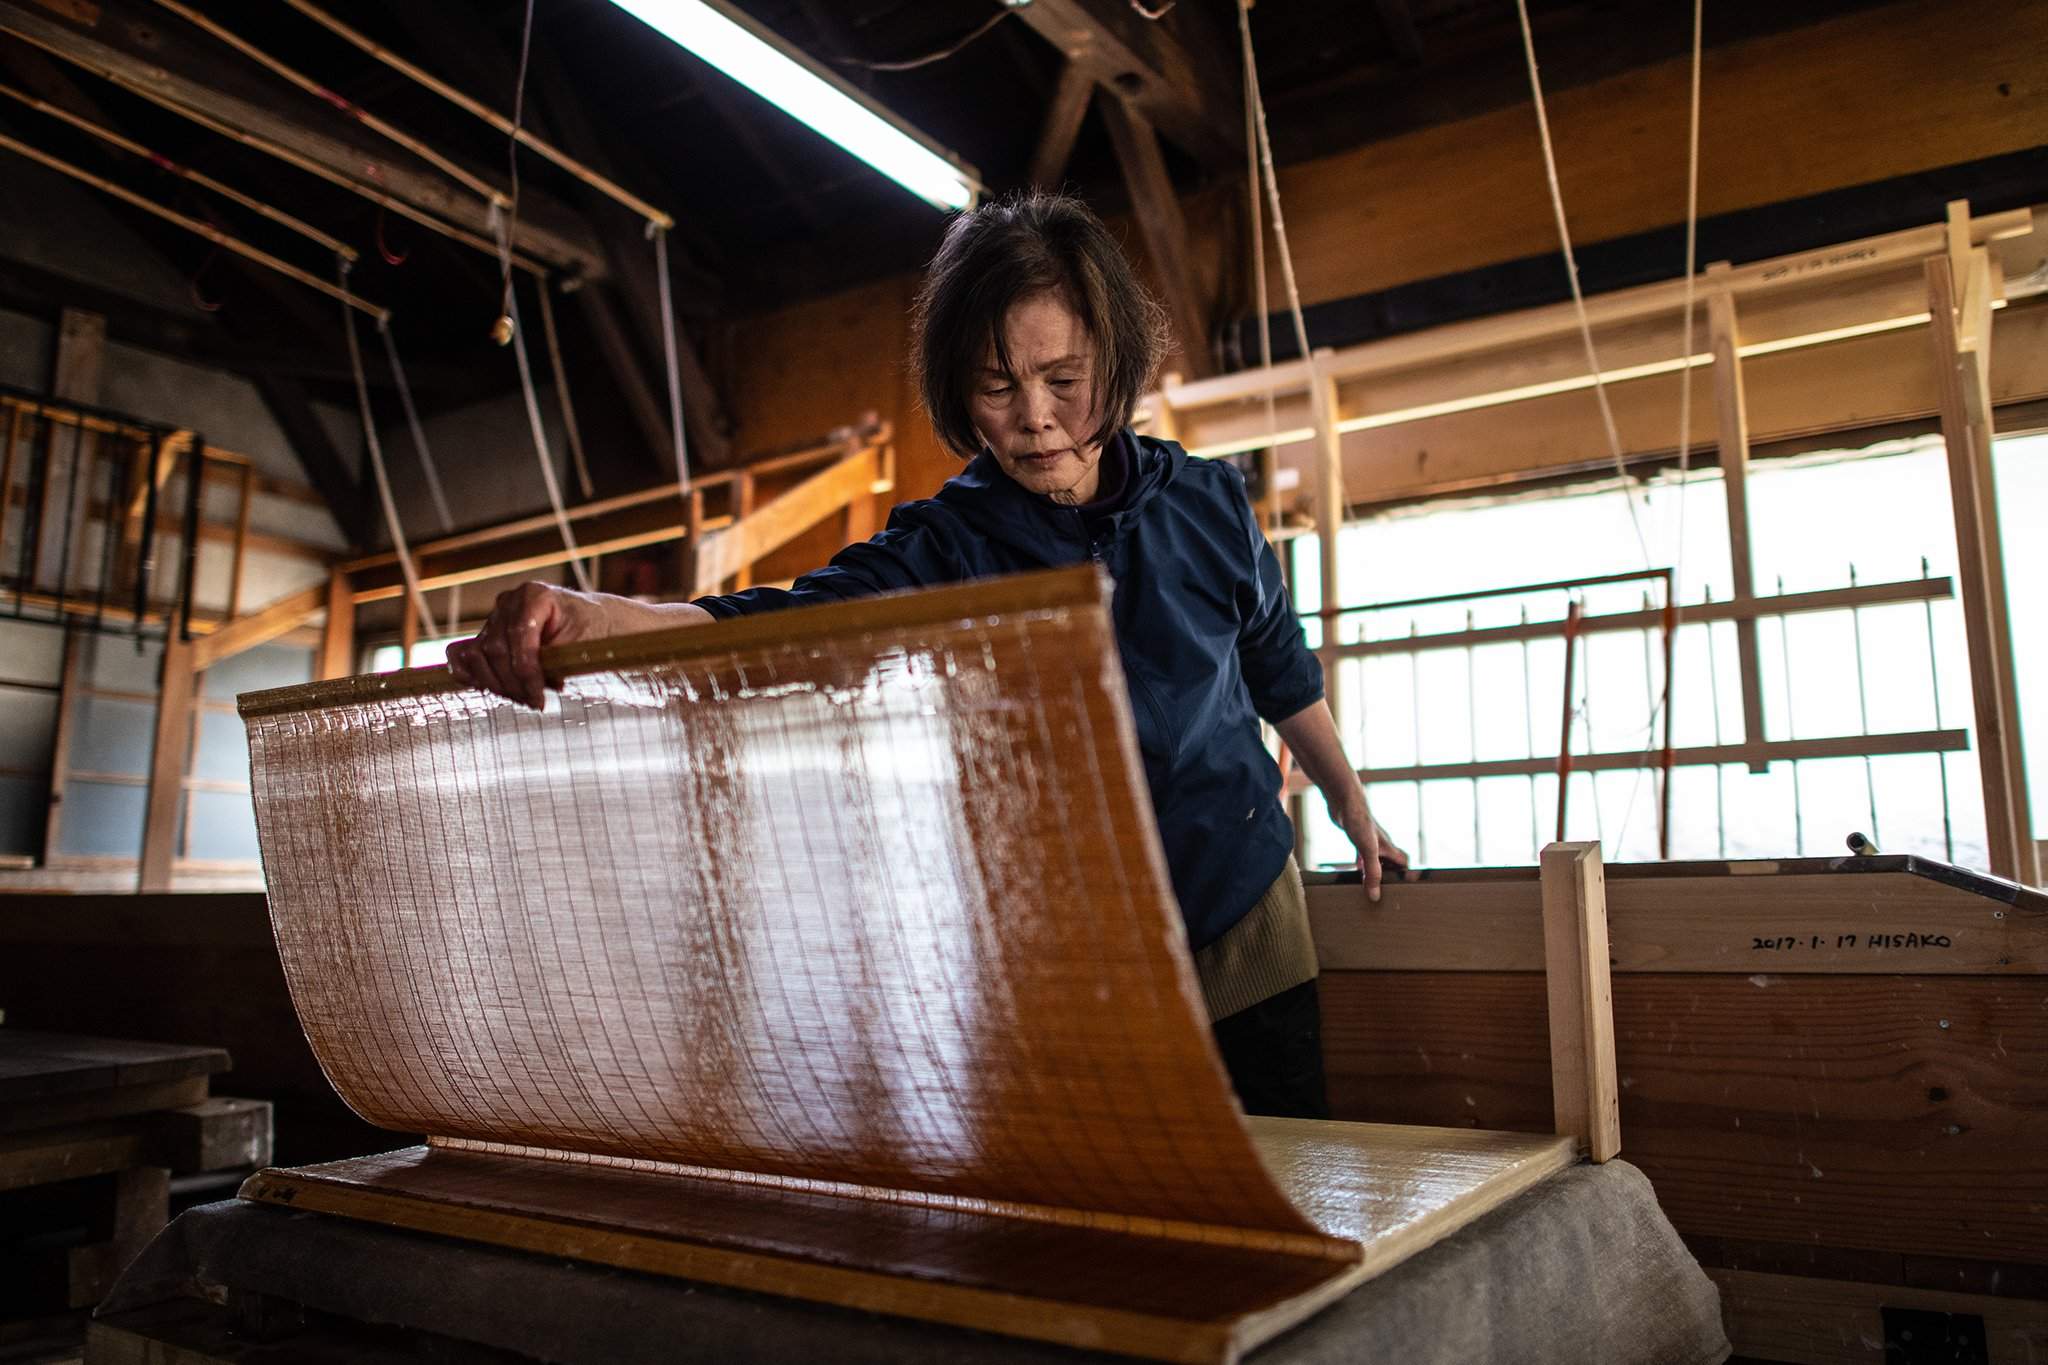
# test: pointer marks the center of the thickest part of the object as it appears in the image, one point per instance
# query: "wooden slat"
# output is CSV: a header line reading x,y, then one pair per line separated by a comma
x,y
338,636
1824,923
1989,673
168,754
1581,996
1731,415
1902,1113
783,518
276,618
37,1065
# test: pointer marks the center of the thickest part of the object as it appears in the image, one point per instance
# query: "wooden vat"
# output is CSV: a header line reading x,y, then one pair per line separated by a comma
x,y
1834,1072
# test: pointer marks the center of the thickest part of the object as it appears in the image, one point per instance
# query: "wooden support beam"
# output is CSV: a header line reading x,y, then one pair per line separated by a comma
x,y
69,683
1576,974
1165,231
1329,468
180,71
1974,499
720,554
1174,71
167,758
1732,424
1062,125
1979,282
280,617
338,637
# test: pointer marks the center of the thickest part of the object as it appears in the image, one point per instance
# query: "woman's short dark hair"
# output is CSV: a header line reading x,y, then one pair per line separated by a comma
x,y
1010,250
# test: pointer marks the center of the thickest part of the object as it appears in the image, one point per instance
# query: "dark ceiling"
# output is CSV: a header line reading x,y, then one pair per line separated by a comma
x,y
767,212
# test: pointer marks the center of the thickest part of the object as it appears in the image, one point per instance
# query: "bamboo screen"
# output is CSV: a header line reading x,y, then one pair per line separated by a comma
x,y
865,895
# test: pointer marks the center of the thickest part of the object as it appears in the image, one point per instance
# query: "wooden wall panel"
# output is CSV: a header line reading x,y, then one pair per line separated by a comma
x,y
1899,1113
1795,113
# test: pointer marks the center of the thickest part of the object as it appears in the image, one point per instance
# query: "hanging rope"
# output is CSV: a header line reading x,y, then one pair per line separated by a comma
x,y
668,355
1253,197
1692,235
1571,265
547,327
540,438
428,467
507,328
1251,80
1659,703
391,522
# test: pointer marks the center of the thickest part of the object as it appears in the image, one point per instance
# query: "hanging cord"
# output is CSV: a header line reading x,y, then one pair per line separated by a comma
x,y
547,327
1253,196
1571,265
391,523
540,440
1692,241
1671,587
427,465
1251,78
668,349
502,329
913,63
507,328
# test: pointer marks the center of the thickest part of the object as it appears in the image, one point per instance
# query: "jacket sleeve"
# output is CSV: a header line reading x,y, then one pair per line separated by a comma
x,y
1282,674
909,553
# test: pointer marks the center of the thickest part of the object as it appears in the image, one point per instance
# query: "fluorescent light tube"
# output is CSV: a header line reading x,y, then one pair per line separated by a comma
x,y
788,79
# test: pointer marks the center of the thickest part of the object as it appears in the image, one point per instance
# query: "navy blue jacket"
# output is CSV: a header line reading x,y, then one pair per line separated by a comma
x,y
1208,636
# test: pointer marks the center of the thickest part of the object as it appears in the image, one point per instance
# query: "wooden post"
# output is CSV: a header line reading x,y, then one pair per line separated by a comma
x,y
1062,124
167,763
338,639
1981,592
743,507
693,540
1564,739
69,682
1322,391
408,629
1576,977
248,493
1732,435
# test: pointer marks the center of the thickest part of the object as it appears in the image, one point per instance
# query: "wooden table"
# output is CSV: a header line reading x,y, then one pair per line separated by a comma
x,y
118,1118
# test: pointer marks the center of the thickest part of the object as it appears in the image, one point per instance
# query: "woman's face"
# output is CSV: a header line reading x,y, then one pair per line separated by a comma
x,y
1037,418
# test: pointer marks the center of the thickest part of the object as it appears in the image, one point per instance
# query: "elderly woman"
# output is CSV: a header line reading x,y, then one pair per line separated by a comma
x,y
1034,342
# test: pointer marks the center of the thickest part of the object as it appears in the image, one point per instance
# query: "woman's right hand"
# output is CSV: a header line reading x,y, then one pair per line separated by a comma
x,y
505,655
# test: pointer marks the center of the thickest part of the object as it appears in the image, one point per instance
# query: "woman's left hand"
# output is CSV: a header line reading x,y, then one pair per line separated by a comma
x,y
1377,853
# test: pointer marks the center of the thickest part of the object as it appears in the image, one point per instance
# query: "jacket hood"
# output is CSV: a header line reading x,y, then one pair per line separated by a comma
x,y
996,506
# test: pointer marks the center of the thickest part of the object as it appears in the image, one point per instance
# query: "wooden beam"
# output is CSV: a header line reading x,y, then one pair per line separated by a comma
x,y
1062,125
1759,756
1972,497
1584,1093
180,71
280,617
1732,420
1173,71
1165,231
168,754
1826,599
69,683
1722,918
722,553
338,637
